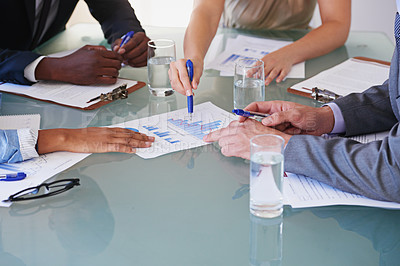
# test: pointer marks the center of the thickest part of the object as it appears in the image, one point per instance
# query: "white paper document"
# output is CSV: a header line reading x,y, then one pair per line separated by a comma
x,y
37,170
64,93
300,191
175,131
31,121
245,47
353,75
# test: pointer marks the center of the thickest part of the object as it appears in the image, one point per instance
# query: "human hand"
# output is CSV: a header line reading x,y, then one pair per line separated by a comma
x,y
235,138
86,66
276,65
293,118
134,52
179,77
92,140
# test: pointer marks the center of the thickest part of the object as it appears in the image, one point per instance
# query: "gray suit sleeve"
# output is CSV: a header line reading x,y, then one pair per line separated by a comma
x,y
372,169
372,107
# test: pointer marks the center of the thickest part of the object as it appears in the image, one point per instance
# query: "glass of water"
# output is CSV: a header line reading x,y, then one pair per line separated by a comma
x,y
266,175
160,54
248,84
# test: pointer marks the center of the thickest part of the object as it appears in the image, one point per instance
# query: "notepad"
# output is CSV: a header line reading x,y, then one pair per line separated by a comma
x,y
70,95
353,75
31,121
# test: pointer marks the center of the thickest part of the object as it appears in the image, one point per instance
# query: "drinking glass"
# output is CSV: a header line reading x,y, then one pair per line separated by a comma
x,y
266,175
160,54
249,81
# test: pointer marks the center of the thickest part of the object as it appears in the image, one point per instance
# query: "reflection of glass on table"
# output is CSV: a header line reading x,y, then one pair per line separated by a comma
x,y
266,241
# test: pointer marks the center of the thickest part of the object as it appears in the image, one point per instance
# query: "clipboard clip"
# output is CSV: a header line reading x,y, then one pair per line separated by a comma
x,y
323,95
120,92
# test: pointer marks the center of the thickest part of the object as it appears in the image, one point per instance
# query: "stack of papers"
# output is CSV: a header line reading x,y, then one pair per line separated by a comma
x,y
244,47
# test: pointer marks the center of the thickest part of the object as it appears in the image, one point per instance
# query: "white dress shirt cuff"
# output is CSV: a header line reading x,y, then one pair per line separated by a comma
x,y
27,142
339,126
29,71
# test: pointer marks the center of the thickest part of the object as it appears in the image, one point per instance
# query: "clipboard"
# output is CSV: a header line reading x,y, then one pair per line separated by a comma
x,y
93,106
324,95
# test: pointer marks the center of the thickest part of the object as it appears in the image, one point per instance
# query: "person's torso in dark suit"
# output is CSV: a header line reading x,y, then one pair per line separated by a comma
x,y
17,22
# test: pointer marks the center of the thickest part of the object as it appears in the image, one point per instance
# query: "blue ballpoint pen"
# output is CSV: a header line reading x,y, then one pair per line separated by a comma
x,y
189,67
126,38
12,177
248,113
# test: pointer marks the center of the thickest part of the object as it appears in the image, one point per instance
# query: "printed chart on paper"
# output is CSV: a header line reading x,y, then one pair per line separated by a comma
x,y
175,131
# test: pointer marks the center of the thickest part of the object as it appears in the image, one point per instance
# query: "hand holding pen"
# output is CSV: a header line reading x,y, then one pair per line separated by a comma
x,y
179,78
133,48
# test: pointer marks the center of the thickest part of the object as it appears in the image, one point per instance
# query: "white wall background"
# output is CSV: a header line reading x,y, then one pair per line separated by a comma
x,y
367,15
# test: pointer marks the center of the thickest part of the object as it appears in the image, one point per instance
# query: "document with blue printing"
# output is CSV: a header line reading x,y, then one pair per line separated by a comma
x,y
301,192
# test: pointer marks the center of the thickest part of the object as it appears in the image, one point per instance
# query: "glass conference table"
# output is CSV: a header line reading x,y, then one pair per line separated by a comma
x,y
189,207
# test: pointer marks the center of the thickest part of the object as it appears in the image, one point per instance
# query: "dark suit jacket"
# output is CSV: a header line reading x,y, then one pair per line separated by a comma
x,y
16,30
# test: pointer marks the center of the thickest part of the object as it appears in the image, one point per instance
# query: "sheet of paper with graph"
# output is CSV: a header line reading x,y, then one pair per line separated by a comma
x,y
175,131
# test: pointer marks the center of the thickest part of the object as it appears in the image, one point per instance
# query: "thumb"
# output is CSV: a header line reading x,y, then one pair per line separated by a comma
x,y
274,119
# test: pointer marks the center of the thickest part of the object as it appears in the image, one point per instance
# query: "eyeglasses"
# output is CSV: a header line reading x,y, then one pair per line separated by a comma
x,y
50,189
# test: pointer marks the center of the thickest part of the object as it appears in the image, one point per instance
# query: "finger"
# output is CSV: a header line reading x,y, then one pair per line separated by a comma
x,y
198,71
282,127
109,72
282,75
116,45
233,149
270,76
138,38
111,55
138,60
174,78
94,47
106,80
231,129
117,147
184,78
276,119
136,50
122,132
132,142
293,131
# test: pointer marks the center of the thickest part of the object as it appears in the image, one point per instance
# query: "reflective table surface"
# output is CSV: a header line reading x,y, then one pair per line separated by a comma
x,y
190,207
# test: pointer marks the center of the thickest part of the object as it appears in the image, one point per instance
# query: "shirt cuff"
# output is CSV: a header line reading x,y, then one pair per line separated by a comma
x,y
29,71
27,142
339,126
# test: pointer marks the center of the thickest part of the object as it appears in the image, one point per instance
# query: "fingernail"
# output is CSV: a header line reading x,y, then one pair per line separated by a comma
x,y
133,150
266,121
148,143
205,137
152,138
188,93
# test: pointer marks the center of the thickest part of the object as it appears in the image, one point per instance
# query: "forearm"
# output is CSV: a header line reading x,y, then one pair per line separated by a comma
x,y
369,169
51,140
116,17
317,42
202,28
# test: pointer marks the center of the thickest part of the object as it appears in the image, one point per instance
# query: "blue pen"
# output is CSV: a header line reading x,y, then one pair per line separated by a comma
x,y
248,113
126,38
13,176
189,68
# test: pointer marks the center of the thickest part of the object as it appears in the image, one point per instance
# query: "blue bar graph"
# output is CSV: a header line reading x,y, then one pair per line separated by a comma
x,y
150,128
196,129
161,134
